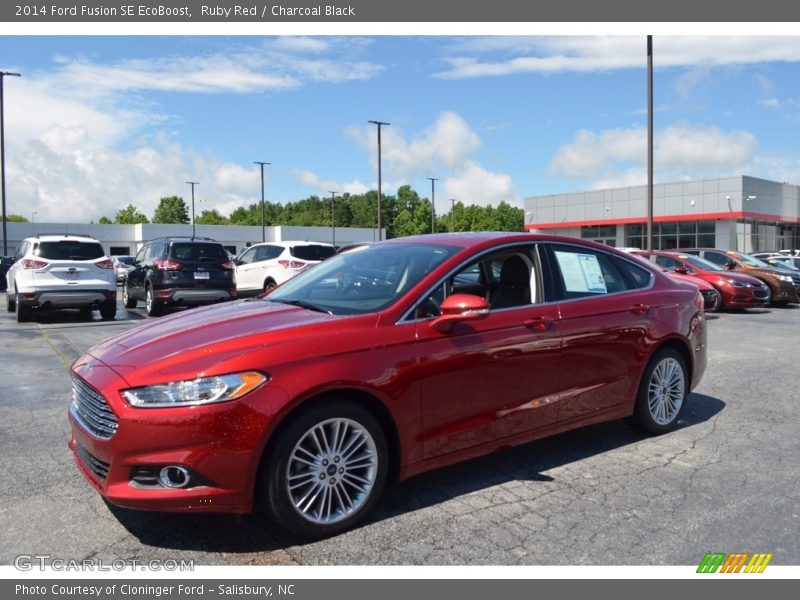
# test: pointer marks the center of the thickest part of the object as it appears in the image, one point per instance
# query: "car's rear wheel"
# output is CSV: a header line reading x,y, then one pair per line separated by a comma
x,y
151,304
269,285
662,393
325,470
108,310
23,311
128,300
11,305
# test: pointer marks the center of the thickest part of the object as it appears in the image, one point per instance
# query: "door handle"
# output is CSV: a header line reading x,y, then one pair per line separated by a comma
x,y
640,309
538,323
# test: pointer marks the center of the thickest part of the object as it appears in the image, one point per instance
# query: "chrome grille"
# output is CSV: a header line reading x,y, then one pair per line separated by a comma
x,y
761,292
94,464
91,410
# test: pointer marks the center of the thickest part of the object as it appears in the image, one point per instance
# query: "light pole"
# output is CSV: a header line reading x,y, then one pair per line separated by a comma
x,y
452,215
3,74
379,123
333,219
263,226
192,183
33,213
433,206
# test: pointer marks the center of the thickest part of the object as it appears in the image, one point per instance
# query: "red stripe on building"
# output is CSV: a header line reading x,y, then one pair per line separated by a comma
x,y
665,218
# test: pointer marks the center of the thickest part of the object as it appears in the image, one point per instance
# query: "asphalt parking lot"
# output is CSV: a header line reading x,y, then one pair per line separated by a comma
x,y
726,481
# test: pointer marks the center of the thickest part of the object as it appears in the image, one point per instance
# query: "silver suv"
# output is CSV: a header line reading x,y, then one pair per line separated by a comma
x,y
61,271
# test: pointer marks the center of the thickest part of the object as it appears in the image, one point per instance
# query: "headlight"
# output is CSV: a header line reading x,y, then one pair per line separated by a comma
x,y
203,390
786,278
735,283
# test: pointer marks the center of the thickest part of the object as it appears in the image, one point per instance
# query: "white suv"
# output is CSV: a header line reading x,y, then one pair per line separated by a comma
x,y
265,266
61,271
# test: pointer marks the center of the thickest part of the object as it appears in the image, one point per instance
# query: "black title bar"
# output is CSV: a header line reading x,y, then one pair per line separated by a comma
x,y
357,11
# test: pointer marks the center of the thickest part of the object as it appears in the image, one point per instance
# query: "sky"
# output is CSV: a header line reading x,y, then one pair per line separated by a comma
x,y
97,123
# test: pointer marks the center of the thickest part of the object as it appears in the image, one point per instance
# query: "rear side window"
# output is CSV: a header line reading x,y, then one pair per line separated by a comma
x,y
70,250
584,272
313,252
198,252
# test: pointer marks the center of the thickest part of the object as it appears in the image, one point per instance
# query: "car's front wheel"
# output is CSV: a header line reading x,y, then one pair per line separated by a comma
x,y
662,393
325,470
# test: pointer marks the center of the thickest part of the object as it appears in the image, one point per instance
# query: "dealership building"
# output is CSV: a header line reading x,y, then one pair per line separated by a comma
x,y
733,213
120,240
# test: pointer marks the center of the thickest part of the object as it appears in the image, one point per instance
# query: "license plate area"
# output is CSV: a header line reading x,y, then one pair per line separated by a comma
x,y
201,275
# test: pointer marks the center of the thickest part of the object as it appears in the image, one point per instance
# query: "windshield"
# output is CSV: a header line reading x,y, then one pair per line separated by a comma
x,y
701,263
362,282
750,261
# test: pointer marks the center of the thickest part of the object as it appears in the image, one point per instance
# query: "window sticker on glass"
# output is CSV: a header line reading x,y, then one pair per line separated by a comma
x,y
581,273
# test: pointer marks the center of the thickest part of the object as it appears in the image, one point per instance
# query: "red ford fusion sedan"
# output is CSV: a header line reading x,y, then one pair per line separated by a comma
x,y
409,355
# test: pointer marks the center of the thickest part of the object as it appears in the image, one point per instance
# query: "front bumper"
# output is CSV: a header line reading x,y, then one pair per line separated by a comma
x,y
218,444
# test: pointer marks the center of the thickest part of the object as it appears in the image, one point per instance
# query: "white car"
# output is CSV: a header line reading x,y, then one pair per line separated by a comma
x,y
61,271
122,266
262,267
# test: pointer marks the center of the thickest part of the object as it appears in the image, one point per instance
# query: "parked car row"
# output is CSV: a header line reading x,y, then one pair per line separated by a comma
x,y
740,280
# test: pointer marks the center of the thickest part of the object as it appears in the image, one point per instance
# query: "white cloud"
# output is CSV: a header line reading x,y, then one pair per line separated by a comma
x,y
506,56
445,144
326,186
472,184
618,156
75,143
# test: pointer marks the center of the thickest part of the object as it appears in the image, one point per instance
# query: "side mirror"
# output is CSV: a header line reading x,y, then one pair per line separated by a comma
x,y
458,308
681,270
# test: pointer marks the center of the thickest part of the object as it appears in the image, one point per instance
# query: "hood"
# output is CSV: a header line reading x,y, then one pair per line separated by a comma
x,y
203,340
738,276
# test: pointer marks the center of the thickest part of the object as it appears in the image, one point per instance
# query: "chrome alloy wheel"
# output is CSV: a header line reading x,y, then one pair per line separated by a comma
x,y
331,471
666,391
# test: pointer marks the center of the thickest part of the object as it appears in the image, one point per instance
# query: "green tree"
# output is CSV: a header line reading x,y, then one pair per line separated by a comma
x,y
12,218
212,217
171,209
130,215
104,220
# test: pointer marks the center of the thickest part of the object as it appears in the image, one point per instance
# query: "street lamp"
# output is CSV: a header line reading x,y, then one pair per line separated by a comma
x,y
3,74
452,214
379,123
433,206
192,183
33,213
333,219
263,226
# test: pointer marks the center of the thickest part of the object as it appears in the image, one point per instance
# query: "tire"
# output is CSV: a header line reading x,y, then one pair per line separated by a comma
x,y
269,285
23,311
108,310
662,395
717,302
769,295
128,300
11,305
151,304
340,487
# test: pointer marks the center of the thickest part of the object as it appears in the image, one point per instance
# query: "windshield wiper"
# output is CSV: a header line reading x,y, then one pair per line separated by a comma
x,y
301,304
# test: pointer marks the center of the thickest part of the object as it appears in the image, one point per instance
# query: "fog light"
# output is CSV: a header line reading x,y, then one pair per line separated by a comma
x,y
173,476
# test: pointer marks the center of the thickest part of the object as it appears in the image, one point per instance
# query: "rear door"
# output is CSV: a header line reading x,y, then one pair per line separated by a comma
x,y
605,308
